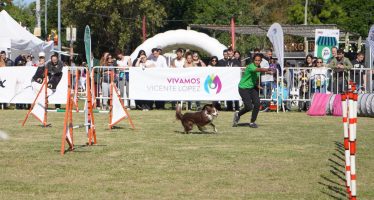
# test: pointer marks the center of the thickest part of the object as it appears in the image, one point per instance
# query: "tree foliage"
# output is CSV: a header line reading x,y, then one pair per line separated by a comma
x,y
114,24
360,16
245,13
350,15
20,13
118,24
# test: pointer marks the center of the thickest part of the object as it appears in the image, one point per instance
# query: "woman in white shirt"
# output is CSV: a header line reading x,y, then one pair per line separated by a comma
x,y
179,61
318,77
123,63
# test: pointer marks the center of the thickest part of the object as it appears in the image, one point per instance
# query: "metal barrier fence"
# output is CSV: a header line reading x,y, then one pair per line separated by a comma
x,y
101,77
78,77
303,82
299,83
101,82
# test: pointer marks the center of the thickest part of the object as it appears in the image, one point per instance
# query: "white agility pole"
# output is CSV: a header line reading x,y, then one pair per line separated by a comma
x,y
346,142
349,105
352,142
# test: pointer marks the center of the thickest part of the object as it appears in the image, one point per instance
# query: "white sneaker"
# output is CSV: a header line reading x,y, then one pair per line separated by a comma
x,y
235,119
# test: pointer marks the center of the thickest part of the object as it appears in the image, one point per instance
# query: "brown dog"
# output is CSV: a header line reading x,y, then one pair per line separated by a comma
x,y
201,118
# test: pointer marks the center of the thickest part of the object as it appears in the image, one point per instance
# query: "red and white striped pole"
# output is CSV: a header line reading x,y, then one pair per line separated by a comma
x,y
346,143
349,105
352,141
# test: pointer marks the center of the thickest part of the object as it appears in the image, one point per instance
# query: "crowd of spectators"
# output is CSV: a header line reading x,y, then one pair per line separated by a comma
x,y
28,60
316,78
184,58
332,76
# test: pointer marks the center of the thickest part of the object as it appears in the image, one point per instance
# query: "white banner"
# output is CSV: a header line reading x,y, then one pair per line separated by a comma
x,y
197,83
275,35
16,86
370,39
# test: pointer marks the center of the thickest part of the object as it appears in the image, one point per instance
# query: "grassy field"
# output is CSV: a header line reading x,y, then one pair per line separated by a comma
x,y
290,156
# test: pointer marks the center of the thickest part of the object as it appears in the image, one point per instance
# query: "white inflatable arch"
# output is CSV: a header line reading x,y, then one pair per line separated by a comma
x,y
187,39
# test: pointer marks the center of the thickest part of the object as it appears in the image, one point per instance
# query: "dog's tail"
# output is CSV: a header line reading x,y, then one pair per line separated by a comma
x,y
178,112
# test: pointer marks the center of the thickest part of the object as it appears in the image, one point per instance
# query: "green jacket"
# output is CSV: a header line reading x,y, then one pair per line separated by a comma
x,y
346,63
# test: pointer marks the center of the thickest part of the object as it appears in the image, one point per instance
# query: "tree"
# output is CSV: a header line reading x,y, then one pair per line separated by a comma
x,y
20,13
319,12
349,15
360,16
114,24
245,13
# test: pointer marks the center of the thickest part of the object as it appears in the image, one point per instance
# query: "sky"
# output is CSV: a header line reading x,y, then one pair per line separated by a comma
x,y
23,1
28,1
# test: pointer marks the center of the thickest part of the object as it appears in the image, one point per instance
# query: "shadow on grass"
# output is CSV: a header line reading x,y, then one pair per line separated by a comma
x,y
334,183
117,127
82,148
243,124
120,128
195,132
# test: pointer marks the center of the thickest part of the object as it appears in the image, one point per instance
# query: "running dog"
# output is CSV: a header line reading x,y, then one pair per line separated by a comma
x,y
200,118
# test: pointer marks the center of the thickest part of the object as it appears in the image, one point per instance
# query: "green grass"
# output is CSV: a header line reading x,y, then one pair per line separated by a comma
x,y
290,156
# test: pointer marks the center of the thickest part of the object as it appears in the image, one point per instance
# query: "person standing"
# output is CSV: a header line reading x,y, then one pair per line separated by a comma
x,y
179,61
124,62
357,73
249,92
8,62
105,83
334,53
196,59
318,77
2,62
160,62
29,62
232,62
340,65
190,63
213,61
223,62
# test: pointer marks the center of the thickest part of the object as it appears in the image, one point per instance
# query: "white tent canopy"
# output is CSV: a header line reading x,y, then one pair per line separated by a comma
x,y
188,39
21,40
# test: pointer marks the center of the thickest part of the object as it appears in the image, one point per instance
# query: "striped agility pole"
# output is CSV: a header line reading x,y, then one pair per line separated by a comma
x,y
349,106
346,143
352,145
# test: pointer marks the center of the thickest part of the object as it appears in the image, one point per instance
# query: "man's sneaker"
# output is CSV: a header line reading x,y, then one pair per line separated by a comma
x,y
253,125
236,119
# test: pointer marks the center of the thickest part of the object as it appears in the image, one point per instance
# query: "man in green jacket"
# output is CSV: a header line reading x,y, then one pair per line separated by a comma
x,y
341,66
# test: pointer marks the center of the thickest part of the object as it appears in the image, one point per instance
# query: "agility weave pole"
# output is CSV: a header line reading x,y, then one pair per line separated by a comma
x,y
90,117
43,88
67,133
349,106
114,98
77,77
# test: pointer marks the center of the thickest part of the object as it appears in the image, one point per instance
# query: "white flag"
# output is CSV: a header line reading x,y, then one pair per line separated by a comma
x,y
370,39
275,35
118,111
39,108
68,136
